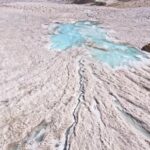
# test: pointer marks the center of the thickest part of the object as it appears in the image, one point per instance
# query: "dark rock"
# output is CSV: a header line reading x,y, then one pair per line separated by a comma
x,y
146,48
71,1
100,3
92,2
81,1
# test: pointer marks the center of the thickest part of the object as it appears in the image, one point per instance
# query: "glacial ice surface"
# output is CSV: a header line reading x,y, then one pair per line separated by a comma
x,y
94,38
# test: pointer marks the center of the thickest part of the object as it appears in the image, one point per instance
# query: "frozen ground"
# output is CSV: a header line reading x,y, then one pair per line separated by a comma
x,y
52,100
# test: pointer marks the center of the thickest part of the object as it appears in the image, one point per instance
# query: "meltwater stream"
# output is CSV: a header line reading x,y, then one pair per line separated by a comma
x,y
94,38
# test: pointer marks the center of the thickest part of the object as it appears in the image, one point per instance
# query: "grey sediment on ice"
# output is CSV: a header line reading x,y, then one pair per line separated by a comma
x,y
33,138
136,123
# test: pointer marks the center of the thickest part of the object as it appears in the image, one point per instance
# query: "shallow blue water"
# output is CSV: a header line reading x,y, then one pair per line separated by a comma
x,y
67,36
94,38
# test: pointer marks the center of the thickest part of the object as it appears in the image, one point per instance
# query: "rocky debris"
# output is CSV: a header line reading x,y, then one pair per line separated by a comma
x,y
100,2
146,48
130,3
104,2
94,2
71,1
82,1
